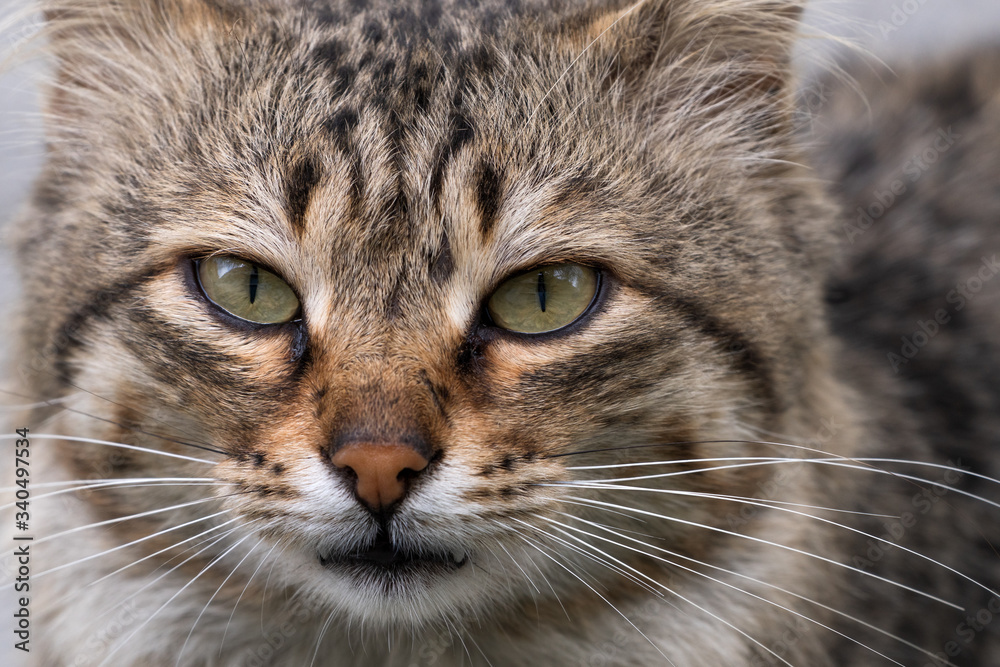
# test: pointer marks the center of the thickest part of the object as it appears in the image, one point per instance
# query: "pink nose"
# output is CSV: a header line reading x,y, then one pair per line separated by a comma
x,y
382,470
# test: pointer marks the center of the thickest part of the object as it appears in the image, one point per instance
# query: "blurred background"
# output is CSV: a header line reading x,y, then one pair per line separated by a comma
x,y
889,29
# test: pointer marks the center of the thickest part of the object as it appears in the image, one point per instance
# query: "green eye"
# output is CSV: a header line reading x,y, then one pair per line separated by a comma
x,y
543,299
247,291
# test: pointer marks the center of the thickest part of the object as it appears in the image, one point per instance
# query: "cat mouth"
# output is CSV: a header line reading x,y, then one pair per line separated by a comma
x,y
382,555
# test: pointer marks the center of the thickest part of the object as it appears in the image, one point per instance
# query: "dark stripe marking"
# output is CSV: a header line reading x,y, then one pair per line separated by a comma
x,y
747,358
575,190
69,337
438,394
394,304
330,53
357,186
397,208
373,31
443,264
489,191
344,79
462,132
301,183
171,356
340,125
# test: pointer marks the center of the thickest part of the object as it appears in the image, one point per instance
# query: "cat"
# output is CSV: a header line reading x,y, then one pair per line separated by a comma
x,y
505,333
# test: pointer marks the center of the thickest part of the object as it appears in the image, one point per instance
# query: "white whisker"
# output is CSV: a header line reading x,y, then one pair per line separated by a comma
x,y
803,448
205,608
518,566
917,480
755,461
673,592
137,483
777,545
531,543
128,544
542,574
717,581
580,55
202,534
267,581
130,517
211,543
772,504
52,485
675,462
172,598
319,637
476,644
589,556
73,438
245,587
759,582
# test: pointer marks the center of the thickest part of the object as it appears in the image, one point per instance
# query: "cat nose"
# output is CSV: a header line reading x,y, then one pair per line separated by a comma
x,y
381,470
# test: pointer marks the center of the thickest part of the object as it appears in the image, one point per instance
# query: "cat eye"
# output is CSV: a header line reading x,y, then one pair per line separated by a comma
x,y
543,299
247,291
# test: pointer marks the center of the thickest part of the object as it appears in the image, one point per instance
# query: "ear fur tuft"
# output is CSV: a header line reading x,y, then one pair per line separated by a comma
x,y
736,52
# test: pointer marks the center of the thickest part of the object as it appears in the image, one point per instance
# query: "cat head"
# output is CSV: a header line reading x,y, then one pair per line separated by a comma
x,y
396,274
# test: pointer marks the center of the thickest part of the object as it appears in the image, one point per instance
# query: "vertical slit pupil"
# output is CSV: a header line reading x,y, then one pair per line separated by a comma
x,y
254,281
541,290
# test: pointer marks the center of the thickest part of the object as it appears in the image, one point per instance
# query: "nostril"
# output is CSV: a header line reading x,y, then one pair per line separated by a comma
x,y
407,474
348,472
381,472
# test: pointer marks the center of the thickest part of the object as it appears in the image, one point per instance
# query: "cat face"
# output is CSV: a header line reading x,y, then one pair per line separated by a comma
x,y
381,176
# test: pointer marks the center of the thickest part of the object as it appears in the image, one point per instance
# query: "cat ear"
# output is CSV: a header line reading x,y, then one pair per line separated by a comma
x,y
97,20
722,53
115,53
